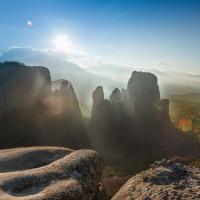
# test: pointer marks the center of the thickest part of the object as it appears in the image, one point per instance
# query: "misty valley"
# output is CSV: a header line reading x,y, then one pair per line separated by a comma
x,y
99,100
130,130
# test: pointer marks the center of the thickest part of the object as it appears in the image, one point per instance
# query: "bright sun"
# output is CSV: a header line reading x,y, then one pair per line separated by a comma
x,y
62,43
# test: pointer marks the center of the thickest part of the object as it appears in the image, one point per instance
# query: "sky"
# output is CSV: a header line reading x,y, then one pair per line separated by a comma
x,y
138,33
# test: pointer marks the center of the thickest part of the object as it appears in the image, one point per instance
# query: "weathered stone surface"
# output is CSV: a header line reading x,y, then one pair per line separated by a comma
x,y
143,93
165,180
53,173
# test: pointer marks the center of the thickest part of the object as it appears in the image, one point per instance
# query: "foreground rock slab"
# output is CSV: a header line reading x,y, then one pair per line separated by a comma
x,y
49,173
166,180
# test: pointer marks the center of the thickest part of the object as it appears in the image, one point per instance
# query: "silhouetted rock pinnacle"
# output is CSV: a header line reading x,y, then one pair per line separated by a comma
x,y
164,111
143,93
116,96
97,97
33,114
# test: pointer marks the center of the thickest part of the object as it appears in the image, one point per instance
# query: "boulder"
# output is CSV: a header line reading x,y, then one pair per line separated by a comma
x,y
41,173
164,180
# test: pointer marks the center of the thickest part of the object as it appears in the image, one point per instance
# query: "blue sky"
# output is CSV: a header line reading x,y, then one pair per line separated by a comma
x,y
140,33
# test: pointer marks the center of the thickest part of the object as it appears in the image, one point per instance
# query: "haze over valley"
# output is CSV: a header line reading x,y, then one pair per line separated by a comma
x,y
99,100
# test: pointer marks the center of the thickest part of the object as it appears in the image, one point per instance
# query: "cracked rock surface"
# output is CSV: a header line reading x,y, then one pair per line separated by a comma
x,y
164,180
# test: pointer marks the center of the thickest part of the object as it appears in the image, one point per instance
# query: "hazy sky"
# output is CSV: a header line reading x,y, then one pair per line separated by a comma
x,y
135,32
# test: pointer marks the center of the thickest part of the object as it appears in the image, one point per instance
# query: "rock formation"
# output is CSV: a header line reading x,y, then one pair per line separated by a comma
x,y
116,96
97,97
109,126
135,120
69,100
164,111
49,173
22,90
21,87
43,81
63,119
143,93
165,180
124,97
33,114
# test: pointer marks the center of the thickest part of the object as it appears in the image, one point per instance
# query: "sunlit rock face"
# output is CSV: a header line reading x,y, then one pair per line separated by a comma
x,y
43,81
65,122
143,93
68,97
38,173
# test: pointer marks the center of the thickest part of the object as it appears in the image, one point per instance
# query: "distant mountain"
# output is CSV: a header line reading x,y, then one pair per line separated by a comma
x,y
119,72
59,66
84,82
108,75
170,82
190,97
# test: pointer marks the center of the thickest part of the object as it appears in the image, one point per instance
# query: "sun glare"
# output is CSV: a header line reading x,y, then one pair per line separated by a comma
x,y
62,43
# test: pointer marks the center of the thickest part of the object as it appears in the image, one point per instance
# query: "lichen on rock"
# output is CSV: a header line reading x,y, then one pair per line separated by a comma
x,y
164,180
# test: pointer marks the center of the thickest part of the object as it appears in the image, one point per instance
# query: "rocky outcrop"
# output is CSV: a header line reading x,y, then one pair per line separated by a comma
x,y
43,81
116,96
124,97
143,93
97,97
165,180
22,87
65,123
109,125
33,114
22,92
164,111
42,173
69,100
